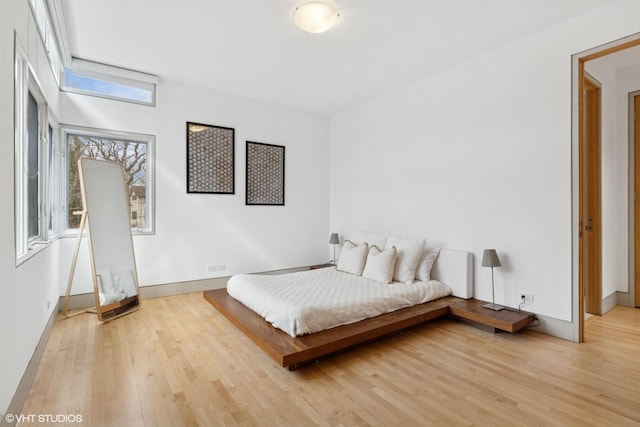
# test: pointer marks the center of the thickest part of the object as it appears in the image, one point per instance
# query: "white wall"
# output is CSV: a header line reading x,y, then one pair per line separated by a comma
x,y
194,231
478,157
29,292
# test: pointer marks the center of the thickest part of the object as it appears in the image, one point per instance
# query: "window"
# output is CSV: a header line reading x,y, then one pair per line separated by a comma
x,y
105,81
32,155
45,26
134,152
32,169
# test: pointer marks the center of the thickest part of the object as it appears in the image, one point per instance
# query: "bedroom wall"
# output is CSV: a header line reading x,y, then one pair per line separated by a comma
x,y
477,157
28,292
194,231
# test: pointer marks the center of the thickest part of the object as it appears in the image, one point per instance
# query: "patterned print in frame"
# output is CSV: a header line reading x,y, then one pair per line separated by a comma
x,y
210,159
265,174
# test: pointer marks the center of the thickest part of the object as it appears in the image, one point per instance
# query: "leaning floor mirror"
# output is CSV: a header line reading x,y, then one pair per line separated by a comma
x,y
106,219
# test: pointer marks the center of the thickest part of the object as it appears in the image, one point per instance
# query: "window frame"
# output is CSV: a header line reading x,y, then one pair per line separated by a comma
x,y
112,75
50,41
150,208
25,84
54,167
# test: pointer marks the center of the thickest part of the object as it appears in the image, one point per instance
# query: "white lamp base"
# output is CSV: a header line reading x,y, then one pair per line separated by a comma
x,y
494,307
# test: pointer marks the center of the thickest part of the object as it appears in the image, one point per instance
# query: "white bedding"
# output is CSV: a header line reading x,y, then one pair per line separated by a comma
x,y
311,301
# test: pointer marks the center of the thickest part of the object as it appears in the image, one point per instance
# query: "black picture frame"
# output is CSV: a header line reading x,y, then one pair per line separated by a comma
x,y
265,174
210,159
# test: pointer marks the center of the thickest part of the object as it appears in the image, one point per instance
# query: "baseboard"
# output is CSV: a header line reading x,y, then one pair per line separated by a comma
x,y
20,396
547,325
609,302
554,327
623,298
165,290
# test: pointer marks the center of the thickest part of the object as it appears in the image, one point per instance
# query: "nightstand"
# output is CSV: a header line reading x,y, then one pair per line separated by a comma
x,y
325,265
508,319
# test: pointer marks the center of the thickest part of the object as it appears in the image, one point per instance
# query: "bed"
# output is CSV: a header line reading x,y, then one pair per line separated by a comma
x,y
298,345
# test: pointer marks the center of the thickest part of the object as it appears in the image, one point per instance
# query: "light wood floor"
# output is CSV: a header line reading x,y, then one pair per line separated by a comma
x,y
179,362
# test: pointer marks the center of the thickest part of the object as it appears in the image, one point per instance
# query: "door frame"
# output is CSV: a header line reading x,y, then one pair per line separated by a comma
x,y
634,207
577,124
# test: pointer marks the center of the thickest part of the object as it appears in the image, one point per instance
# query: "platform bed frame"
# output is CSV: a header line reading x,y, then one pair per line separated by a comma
x,y
292,352
455,268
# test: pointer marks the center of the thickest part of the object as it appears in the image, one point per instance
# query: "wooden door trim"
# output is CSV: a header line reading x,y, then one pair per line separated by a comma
x,y
634,179
594,179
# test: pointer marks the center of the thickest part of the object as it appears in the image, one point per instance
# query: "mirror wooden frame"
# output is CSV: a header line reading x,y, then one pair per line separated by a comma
x,y
105,216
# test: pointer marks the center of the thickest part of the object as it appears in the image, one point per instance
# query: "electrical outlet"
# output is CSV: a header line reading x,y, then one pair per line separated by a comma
x,y
211,269
220,267
526,297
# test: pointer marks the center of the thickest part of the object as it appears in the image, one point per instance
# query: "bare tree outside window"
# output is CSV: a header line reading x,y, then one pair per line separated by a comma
x,y
132,155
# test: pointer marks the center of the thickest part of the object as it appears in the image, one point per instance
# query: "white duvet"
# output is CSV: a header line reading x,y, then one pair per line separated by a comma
x,y
311,301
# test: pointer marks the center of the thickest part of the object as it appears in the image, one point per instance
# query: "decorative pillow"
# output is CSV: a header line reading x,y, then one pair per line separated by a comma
x,y
425,264
352,257
380,264
409,253
372,239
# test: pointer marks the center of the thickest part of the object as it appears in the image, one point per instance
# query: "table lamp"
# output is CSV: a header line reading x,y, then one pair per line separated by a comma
x,y
490,259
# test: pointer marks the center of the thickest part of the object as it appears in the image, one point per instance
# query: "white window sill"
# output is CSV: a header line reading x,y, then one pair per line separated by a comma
x,y
34,248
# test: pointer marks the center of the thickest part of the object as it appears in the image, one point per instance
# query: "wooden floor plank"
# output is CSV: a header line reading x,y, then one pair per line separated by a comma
x,y
181,362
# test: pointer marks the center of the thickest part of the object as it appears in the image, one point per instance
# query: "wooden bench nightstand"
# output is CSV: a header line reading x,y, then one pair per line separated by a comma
x,y
508,319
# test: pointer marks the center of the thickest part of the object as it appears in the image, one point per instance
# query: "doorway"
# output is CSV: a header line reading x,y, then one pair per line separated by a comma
x,y
586,237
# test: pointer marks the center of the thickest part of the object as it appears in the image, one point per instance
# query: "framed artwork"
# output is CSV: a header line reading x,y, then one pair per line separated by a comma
x,y
210,159
265,174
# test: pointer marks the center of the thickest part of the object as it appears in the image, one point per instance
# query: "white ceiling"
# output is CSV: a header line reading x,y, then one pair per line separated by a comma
x,y
251,48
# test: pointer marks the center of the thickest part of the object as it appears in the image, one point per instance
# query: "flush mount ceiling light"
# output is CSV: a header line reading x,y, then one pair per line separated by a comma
x,y
315,17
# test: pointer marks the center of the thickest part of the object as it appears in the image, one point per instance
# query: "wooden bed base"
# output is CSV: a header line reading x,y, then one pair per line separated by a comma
x,y
294,352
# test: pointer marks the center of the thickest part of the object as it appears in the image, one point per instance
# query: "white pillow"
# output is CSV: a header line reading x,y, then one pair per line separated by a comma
x,y
372,239
425,264
409,253
352,257
105,281
380,264
125,283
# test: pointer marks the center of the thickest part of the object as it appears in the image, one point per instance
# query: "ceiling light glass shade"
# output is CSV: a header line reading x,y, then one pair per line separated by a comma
x,y
315,17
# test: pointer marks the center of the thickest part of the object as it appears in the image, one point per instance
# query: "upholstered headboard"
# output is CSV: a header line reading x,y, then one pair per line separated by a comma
x,y
455,269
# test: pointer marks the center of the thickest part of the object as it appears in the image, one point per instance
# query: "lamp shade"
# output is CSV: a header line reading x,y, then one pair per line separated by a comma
x,y
490,258
334,239
315,17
